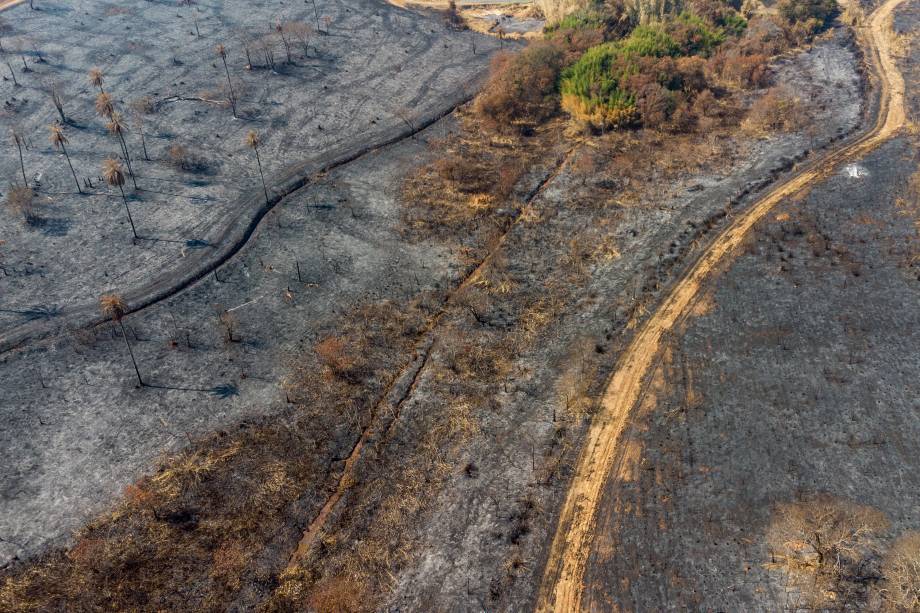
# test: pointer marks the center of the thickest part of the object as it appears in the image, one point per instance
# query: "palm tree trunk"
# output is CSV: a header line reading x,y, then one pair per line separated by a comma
x,y
137,371
259,161
124,147
230,85
22,164
128,211
67,155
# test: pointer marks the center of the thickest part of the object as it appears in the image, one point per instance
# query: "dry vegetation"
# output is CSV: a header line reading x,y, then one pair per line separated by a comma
x,y
833,555
216,525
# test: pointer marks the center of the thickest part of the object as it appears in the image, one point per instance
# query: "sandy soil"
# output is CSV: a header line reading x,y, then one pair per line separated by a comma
x,y
603,450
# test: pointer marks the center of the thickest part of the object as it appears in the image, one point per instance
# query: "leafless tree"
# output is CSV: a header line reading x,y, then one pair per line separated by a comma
x,y
138,109
252,141
828,548
283,32
267,48
900,588
222,54
229,322
12,74
301,32
59,141
58,101
115,176
17,138
113,307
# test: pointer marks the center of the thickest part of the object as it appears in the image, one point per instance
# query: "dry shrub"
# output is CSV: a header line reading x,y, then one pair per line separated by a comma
x,y
466,173
341,358
521,87
747,71
829,548
338,595
186,160
778,110
900,589
205,531
20,202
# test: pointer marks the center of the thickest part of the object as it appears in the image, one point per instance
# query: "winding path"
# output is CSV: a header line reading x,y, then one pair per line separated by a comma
x,y
562,585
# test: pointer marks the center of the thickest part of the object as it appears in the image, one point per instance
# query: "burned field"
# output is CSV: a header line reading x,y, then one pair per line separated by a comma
x,y
376,401
793,384
317,86
773,460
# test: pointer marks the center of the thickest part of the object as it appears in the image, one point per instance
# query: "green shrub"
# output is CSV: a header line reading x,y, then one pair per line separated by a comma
x,y
650,40
592,87
733,23
579,20
694,36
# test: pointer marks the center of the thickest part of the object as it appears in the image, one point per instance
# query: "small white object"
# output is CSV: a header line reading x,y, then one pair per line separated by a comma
x,y
855,171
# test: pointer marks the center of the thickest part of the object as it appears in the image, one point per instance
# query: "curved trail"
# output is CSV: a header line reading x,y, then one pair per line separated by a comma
x,y
562,585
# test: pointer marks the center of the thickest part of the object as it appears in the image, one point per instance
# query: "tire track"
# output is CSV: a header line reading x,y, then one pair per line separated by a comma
x,y
562,584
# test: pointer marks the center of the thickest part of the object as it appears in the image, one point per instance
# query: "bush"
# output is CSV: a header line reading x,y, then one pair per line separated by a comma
x,y
522,87
776,111
749,71
592,88
816,14
19,200
694,36
650,40
186,160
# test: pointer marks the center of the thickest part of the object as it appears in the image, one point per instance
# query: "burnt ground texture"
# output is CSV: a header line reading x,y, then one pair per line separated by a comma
x,y
341,79
793,381
77,430
470,459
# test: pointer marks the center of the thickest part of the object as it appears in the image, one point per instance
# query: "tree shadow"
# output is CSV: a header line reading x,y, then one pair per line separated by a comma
x,y
36,312
222,391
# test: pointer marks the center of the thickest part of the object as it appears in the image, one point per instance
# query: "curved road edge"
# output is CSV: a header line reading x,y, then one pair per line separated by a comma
x,y
562,585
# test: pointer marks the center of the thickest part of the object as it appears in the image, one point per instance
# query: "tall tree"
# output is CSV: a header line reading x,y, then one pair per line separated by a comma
x,y
59,141
252,140
115,176
222,53
114,307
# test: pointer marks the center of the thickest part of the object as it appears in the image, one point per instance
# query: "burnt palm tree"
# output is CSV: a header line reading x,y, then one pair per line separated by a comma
x,y
113,307
59,141
117,127
222,53
115,176
104,105
252,140
96,79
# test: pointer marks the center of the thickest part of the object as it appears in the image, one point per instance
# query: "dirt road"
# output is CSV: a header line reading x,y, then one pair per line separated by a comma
x,y
563,576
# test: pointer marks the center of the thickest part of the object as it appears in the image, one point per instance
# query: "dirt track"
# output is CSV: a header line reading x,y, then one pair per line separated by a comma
x,y
563,577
